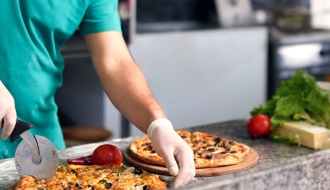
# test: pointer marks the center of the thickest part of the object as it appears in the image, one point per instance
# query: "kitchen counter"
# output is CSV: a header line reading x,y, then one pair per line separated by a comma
x,y
280,166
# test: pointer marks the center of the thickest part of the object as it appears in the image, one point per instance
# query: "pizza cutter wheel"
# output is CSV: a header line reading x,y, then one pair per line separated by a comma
x,y
35,155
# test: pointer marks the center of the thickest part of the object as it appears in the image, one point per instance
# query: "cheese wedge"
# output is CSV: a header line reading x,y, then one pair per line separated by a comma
x,y
326,145
311,136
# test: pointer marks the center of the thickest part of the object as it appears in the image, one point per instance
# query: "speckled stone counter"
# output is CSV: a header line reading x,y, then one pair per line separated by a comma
x,y
280,166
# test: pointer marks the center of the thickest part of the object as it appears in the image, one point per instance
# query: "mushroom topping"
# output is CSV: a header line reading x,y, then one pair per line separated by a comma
x,y
228,144
218,156
206,154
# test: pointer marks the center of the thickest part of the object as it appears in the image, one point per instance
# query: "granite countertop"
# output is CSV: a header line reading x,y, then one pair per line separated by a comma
x,y
280,166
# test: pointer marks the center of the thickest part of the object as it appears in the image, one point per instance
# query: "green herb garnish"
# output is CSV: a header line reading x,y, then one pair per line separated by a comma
x,y
86,170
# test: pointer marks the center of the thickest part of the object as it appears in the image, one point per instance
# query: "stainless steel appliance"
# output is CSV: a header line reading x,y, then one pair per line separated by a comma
x,y
309,51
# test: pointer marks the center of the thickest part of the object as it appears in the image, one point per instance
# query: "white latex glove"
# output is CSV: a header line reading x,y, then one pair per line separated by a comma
x,y
7,112
178,156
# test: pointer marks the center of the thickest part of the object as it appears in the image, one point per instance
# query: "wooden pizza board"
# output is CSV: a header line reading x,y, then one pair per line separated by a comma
x,y
251,160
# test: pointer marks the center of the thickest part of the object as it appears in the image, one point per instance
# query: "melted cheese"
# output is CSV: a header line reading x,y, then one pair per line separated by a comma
x,y
98,177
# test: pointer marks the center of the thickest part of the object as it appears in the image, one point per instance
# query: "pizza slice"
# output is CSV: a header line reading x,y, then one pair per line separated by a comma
x,y
213,151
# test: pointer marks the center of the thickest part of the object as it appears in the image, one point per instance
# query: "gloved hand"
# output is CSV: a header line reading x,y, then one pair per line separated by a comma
x,y
7,112
178,156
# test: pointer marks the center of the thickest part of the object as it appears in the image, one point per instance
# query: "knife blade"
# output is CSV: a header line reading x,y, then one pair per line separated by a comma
x,y
35,155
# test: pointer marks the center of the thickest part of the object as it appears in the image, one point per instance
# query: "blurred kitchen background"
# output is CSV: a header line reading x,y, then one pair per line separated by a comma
x,y
206,61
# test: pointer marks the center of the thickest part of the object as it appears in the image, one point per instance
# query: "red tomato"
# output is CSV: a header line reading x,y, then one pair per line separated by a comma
x,y
258,125
106,154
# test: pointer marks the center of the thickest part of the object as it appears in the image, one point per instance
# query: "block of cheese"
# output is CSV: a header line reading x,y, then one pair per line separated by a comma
x,y
311,136
326,145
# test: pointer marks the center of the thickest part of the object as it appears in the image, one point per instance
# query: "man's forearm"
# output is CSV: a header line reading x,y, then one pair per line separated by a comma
x,y
127,88
122,80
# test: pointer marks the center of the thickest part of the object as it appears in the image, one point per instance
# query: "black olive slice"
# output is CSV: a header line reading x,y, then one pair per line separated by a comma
x,y
108,185
78,186
138,170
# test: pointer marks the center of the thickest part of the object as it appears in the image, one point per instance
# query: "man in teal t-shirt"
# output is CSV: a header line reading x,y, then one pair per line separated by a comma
x,y
31,35
31,64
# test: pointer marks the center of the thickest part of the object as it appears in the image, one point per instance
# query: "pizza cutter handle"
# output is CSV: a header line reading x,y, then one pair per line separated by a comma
x,y
19,128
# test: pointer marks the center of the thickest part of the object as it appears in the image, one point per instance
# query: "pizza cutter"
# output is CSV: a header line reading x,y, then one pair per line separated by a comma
x,y
35,155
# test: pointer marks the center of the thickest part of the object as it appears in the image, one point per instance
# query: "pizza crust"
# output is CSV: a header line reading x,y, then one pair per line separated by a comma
x,y
137,147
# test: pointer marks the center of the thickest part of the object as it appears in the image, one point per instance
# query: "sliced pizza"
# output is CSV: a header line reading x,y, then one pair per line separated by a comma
x,y
209,150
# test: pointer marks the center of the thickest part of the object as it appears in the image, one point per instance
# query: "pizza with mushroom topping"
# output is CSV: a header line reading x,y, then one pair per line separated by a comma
x,y
209,150
94,177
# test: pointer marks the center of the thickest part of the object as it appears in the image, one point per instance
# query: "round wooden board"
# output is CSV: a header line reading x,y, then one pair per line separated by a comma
x,y
251,160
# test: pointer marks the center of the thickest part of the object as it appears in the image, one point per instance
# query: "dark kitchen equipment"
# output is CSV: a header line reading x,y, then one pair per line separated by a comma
x,y
309,51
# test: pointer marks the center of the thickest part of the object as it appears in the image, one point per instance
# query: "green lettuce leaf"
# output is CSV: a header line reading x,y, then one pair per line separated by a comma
x,y
285,139
298,98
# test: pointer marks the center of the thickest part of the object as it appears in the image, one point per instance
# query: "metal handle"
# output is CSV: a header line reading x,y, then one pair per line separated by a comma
x,y
325,52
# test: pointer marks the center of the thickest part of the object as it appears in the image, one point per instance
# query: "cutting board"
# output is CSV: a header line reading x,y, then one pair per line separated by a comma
x,y
251,160
86,133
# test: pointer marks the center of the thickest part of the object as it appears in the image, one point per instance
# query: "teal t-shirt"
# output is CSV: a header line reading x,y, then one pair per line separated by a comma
x,y
31,34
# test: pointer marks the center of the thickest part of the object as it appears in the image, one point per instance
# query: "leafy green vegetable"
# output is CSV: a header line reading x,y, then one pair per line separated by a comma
x,y
285,139
299,98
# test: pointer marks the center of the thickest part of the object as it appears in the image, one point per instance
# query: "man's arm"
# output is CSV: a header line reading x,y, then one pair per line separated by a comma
x,y
122,79
127,88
